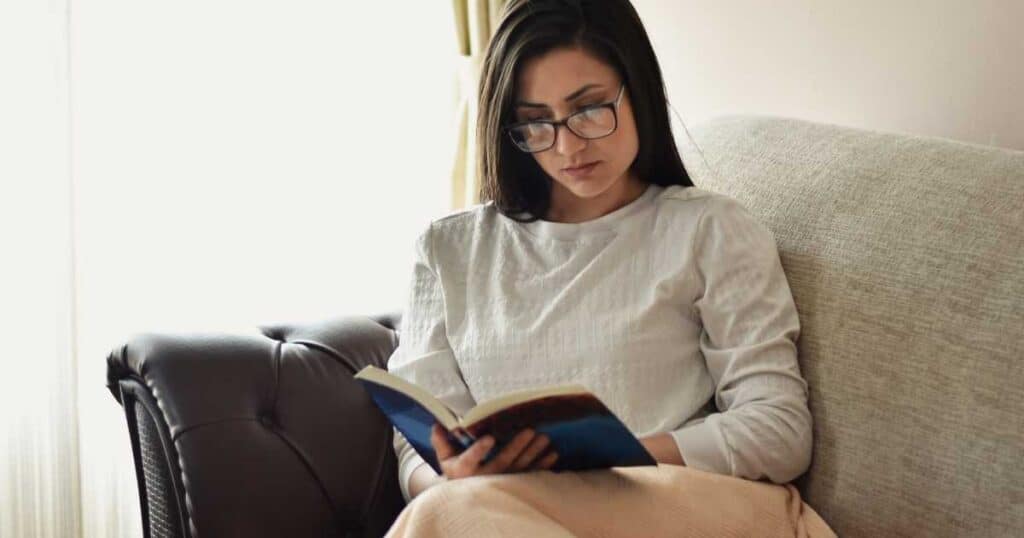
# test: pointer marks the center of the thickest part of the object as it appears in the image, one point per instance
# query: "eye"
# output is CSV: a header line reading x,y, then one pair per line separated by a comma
x,y
584,109
525,117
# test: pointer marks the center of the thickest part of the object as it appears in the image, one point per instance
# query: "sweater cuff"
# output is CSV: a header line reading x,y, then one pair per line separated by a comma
x,y
410,466
703,448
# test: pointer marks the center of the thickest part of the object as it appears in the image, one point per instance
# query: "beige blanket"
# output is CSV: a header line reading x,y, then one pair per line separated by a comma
x,y
667,500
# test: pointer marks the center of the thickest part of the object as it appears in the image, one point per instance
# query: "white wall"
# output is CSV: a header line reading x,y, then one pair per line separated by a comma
x,y
949,68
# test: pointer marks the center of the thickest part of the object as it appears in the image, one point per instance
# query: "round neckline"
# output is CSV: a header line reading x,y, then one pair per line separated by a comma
x,y
598,225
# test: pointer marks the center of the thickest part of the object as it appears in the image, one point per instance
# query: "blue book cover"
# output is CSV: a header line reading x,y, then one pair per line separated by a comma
x,y
581,429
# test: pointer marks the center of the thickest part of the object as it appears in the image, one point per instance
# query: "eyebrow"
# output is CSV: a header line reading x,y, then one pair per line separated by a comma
x,y
570,97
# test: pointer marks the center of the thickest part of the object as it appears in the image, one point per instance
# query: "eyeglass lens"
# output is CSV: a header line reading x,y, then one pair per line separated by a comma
x,y
589,124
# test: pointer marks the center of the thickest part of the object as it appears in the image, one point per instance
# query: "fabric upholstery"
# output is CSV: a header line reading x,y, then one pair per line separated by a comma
x,y
906,260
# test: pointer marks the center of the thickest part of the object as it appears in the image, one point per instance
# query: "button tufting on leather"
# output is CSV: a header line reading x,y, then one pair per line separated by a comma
x,y
267,420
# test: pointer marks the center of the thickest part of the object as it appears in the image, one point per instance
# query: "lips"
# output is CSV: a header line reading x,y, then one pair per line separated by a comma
x,y
579,168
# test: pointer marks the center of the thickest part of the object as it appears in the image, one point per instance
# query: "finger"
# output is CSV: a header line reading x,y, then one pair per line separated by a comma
x,y
547,462
532,451
468,462
442,448
511,451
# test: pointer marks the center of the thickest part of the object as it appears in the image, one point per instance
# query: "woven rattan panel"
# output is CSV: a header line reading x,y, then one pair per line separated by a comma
x,y
163,507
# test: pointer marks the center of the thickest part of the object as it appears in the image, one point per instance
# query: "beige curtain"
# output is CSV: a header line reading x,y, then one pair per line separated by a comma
x,y
475,21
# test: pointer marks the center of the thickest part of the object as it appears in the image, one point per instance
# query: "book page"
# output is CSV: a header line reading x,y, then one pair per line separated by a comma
x,y
436,407
495,405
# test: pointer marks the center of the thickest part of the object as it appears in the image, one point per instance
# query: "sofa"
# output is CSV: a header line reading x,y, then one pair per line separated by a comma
x,y
905,255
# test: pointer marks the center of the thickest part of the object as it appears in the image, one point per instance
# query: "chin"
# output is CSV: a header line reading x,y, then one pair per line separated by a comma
x,y
588,188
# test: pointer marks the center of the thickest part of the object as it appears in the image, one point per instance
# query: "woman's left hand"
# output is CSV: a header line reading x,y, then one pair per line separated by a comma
x,y
663,448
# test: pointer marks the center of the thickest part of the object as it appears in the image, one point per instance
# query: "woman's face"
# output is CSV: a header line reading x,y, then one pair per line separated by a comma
x,y
558,84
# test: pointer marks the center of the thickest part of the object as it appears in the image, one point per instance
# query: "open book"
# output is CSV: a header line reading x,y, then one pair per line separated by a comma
x,y
581,429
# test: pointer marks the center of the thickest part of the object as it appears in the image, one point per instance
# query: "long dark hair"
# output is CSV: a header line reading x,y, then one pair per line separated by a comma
x,y
612,31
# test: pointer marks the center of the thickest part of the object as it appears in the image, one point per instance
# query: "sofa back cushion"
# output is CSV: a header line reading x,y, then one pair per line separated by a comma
x,y
906,259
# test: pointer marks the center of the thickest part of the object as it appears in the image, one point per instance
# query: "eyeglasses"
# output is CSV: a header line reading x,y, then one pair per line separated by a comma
x,y
591,122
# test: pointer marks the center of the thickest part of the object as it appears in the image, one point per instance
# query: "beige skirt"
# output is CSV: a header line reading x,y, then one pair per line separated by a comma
x,y
667,500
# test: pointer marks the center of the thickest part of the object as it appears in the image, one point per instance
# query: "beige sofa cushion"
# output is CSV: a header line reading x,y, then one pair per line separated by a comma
x,y
906,259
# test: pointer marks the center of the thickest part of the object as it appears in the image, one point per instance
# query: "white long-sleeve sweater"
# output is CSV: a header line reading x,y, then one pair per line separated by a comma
x,y
673,309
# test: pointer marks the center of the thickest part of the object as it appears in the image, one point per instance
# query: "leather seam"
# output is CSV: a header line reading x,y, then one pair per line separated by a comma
x,y
183,431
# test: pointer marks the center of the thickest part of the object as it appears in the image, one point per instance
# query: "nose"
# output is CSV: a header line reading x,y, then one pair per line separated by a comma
x,y
566,141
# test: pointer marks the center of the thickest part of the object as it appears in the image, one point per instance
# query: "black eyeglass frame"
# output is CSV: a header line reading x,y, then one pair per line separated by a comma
x,y
613,105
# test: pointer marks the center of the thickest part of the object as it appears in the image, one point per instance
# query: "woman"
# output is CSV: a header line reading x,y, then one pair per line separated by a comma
x,y
596,261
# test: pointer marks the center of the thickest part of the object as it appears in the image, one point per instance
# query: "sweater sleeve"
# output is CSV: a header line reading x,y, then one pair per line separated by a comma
x,y
423,355
750,328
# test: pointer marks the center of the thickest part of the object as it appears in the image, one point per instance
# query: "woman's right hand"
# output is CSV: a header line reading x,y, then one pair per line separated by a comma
x,y
522,453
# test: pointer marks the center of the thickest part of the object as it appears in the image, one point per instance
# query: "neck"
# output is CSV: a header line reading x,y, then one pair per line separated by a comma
x,y
569,208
